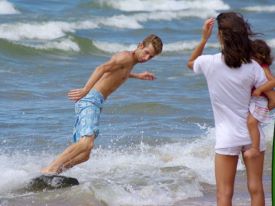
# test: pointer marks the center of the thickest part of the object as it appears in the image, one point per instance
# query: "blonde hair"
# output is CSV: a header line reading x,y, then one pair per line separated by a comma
x,y
155,41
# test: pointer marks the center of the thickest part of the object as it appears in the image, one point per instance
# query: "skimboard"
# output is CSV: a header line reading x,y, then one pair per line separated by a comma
x,y
49,182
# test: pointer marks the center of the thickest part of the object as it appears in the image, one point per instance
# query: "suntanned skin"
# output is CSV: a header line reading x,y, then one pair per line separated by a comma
x,y
252,122
109,76
106,79
226,165
206,33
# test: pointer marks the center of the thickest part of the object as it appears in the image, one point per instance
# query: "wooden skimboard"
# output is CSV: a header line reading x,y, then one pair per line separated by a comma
x,y
49,182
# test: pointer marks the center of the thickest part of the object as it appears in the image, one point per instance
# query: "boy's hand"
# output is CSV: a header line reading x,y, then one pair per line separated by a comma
x,y
77,94
146,76
256,93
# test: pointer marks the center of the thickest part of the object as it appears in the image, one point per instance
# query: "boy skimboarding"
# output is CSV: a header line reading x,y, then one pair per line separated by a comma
x,y
89,100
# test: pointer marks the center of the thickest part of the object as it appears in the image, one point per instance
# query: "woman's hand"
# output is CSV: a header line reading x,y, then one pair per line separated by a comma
x,y
256,93
206,33
207,28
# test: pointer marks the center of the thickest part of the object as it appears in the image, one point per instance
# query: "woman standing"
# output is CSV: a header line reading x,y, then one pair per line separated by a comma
x,y
230,76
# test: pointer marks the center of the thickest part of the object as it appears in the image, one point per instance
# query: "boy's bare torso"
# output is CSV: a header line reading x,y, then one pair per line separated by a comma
x,y
111,80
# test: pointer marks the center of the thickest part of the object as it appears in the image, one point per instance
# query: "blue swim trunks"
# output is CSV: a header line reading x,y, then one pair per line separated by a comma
x,y
87,112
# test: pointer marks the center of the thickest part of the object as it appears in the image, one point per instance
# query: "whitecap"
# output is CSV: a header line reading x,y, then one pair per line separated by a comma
x,y
42,30
169,15
186,45
7,8
168,47
134,21
57,29
177,46
61,44
163,5
270,8
113,47
271,43
121,21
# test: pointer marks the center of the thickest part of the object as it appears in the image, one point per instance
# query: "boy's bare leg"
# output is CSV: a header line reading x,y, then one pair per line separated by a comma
x,y
271,99
74,154
253,129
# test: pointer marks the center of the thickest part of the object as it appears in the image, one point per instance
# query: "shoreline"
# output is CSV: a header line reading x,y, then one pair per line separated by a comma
x,y
241,195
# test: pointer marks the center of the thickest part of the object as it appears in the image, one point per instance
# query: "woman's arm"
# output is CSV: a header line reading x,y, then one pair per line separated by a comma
x,y
264,88
206,33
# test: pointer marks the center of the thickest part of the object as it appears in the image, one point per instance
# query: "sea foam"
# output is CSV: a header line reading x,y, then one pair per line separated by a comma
x,y
7,8
270,8
42,30
271,43
163,5
169,47
141,174
60,44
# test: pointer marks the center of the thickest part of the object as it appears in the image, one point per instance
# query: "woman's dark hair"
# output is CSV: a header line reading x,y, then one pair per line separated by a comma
x,y
234,33
261,52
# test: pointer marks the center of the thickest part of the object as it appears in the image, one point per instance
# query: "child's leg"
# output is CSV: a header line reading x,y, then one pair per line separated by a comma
x,y
74,154
253,129
271,99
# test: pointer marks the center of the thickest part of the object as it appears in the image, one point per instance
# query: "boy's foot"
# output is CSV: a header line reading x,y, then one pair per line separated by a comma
x,y
252,153
46,171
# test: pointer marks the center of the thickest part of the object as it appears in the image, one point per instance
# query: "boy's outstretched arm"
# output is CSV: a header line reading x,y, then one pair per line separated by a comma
x,y
206,33
111,65
143,76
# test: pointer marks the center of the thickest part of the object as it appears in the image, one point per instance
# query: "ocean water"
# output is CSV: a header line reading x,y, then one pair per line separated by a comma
x,y
156,142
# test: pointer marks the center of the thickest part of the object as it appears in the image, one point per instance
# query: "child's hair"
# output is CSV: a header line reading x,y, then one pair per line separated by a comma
x,y
261,52
155,41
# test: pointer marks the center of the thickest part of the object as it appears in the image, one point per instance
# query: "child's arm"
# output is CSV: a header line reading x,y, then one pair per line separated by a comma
x,y
264,88
206,33
113,64
143,76
268,73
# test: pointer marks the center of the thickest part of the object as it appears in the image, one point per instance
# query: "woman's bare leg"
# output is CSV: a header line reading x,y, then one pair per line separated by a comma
x,y
254,169
225,172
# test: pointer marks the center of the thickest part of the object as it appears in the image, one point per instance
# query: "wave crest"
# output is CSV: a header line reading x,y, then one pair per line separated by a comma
x,y
7,8
163,5
270,8
169,47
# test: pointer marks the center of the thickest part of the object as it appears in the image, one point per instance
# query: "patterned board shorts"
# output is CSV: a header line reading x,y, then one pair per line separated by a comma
x,y
259,110
87,112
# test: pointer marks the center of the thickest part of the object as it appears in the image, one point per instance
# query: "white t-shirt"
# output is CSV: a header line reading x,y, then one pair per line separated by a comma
x,y
230,93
